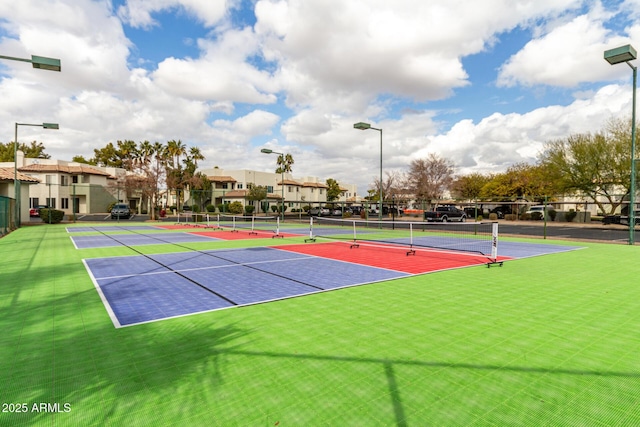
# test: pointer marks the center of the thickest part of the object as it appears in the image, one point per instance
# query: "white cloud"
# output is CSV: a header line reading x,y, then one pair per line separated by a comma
x,y
568,55
137,13
222,73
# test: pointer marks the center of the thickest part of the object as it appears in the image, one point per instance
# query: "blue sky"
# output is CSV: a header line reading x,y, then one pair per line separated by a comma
x,y
482,83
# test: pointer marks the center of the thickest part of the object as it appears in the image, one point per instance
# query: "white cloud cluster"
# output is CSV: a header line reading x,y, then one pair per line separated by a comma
x,y
300,77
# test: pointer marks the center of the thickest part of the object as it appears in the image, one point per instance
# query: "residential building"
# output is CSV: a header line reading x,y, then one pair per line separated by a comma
x,y
234,185
68,186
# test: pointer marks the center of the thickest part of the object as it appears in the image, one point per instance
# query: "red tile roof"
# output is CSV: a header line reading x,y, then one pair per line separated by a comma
x,y
7,174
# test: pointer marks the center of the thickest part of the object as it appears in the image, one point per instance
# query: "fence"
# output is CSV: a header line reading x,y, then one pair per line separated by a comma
x,y
7,210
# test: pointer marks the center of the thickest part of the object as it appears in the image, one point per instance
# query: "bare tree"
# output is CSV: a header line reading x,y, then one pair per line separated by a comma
x,y
392,187
429,178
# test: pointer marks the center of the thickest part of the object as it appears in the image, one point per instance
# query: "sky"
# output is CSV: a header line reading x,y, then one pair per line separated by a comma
x,y
481,83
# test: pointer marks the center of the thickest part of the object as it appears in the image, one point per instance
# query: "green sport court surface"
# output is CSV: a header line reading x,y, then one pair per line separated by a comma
x,y
550,340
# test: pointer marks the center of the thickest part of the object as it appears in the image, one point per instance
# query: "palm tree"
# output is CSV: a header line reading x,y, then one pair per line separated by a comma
x,y
175,149
128,152
284,163
195,155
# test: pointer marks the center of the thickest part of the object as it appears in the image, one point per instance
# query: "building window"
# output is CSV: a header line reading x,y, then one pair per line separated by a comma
x,y
269,189
321,191
34,202
239,186
51,202
290,189
64,202
64,180
225,186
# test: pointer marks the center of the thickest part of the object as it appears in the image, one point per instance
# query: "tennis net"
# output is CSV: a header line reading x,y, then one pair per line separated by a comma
x,y
472,237
252,224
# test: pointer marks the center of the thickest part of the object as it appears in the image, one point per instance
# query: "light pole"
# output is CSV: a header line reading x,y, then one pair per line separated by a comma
x,y
269,151
16,186
43,63
365,126
616,56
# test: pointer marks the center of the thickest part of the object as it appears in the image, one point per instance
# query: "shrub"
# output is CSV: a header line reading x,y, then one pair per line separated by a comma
x,y
510,217
111,205
536,216
248,210
236,208
493,216
195,209
223,208
210,208
56,215
571,215
346,215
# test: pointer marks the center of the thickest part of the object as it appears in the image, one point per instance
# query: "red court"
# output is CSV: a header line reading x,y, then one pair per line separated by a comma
x,y
389,256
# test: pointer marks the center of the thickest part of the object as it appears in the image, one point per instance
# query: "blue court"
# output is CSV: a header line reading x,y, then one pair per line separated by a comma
x,y
136,239
139,289
109,228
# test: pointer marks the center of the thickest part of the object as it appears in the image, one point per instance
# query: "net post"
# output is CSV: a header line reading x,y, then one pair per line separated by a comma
x,y
411,251
494,246
355,237
253,223
311,238
278,229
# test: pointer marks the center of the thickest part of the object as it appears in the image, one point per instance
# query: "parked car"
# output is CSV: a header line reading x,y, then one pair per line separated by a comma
x,y
624,220
386,210
539,211
120,210
36,211
612,219
445,213
319,212
355,210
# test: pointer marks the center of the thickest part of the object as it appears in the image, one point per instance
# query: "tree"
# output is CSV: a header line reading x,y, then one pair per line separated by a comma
x,y
522,180
107,156
429,178
35,150
597,165
284,163
175,176
392,188
470,186
81,159
200,188
333,190
257,193
146,174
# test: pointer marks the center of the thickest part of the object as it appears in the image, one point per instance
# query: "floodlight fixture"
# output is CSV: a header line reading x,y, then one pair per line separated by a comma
x,y
41,62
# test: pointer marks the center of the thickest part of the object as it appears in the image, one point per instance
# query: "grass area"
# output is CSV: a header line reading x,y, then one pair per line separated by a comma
x,y
544,341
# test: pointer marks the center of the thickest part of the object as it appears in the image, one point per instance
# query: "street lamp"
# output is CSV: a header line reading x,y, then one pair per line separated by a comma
x,y
41,62
616,56
365,126
16,186
269,151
